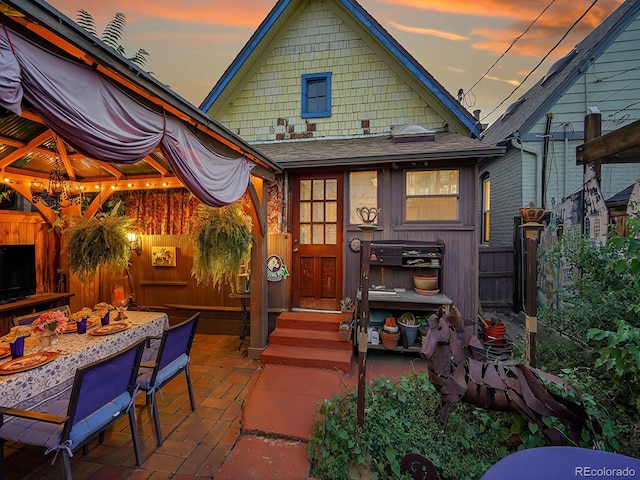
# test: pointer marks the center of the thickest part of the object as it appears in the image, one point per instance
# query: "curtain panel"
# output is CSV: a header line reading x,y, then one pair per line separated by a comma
x,y
100,120
161,212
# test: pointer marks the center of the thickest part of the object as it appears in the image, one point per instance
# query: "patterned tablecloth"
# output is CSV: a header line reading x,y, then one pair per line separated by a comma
x,y
33,387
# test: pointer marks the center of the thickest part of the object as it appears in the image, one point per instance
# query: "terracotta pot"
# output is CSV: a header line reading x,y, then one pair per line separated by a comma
x,y
494,333
389,340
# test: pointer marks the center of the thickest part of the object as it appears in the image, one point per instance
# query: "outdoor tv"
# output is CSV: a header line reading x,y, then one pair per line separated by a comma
x,y
17,272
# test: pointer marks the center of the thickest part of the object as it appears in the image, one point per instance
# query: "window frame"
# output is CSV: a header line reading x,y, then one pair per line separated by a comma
x,y
485,222
406,197
308,78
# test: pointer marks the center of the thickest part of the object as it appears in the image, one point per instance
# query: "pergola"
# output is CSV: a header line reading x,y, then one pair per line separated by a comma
x,y
70,100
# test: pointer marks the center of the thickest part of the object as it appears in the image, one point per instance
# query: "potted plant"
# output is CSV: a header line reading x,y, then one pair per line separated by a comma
x,y
347,307
98,241
222,241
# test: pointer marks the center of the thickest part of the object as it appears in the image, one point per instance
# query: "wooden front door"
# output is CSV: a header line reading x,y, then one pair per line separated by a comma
x,y
316,207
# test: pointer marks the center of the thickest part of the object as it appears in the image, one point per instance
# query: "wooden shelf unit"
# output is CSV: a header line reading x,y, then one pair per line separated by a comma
x,y
395,263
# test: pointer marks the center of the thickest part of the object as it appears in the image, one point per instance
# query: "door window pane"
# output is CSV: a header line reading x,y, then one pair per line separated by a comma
x,y
330,233
331,192
318,189
318,233
331,211
305,212
318,212
305,234
305,189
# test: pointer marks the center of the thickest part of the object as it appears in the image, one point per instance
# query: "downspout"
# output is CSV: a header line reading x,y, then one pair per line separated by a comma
x,y
545,157
566,162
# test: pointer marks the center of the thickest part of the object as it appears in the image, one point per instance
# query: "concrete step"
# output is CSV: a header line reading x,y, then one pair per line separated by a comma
x,y
308,357
327,322
308,338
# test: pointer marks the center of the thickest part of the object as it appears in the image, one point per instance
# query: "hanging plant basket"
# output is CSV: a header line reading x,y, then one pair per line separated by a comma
x,y
98,241
222,242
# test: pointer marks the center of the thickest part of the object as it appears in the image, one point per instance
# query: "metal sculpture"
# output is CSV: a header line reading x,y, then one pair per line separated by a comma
x,y
460,371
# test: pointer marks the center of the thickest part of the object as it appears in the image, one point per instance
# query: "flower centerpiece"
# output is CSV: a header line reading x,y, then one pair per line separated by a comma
x,y
50,323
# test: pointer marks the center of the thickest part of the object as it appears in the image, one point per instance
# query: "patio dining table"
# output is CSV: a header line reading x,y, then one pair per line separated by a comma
x,y
30,388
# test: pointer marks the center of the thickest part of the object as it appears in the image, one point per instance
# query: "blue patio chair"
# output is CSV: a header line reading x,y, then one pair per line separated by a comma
x,y
102,392
163,361
30,317
563,463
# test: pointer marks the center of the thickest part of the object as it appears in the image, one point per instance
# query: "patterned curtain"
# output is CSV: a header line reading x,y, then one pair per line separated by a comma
x,y
162,212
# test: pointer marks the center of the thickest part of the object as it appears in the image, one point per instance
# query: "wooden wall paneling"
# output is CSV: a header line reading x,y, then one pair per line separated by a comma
x,y
279,292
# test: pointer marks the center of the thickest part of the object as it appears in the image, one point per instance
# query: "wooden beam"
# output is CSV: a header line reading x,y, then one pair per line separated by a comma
x,y
21,152
607,147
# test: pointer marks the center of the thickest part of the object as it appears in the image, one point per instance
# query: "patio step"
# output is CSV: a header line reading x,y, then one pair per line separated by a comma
x,y
308,357
327,322
308,339
298,337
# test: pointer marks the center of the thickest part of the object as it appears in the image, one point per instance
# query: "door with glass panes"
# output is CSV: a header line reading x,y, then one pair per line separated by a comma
x,y
316,207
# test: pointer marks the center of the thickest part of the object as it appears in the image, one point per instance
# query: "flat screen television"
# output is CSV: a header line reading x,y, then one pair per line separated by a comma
x,y
17,272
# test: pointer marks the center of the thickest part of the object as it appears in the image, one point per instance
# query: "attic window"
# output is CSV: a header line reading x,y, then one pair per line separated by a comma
x,y
559,65
513,107
316,95
412,133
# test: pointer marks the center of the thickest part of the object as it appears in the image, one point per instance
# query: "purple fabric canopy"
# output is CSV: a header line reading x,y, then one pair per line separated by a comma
x,y
100,120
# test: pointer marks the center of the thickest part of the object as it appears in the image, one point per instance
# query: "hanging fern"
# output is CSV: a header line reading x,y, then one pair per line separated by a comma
x,y
222,243
98,241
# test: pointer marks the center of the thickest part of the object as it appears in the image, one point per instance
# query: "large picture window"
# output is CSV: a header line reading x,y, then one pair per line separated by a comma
x,y
363,192
432,195
316,95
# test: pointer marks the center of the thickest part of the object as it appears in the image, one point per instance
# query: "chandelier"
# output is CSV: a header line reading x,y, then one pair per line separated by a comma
x,y
58,195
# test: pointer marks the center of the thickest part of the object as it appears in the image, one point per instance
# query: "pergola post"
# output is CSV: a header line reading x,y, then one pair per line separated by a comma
x,y
259,319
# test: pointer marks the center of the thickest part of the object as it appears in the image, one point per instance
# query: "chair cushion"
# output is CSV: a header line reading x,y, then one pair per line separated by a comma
x,y
31,432
144,374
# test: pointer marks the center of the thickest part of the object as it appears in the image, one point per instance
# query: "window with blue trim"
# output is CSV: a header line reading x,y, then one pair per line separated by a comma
x,y
316,95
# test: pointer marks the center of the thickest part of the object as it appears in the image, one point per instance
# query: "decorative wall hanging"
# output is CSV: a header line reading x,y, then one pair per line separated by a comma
x,y
163,256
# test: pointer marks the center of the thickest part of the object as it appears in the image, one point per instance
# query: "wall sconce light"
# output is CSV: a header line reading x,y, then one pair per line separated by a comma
x,y
135,242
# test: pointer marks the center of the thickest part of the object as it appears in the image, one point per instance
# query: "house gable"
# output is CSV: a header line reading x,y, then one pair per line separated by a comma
x,y
374,85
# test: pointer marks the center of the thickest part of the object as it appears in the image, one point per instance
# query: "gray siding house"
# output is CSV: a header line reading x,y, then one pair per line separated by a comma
x,y
542,129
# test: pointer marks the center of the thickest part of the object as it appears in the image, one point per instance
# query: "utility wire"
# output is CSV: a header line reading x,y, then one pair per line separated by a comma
x,y
515,40
543,58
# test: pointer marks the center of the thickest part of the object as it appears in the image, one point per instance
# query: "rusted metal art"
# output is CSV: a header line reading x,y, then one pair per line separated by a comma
x,y
459,371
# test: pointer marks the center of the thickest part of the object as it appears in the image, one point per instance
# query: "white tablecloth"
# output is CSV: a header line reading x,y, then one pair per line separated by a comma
x,y
31,388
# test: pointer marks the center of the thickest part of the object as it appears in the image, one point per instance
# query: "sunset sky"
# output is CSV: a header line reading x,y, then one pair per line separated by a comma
x,y
192,42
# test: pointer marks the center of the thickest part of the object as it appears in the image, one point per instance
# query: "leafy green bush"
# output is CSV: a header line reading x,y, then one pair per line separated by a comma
x,y
401,418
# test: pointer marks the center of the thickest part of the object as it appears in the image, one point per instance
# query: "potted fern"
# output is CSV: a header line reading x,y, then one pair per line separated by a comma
x,y
222,241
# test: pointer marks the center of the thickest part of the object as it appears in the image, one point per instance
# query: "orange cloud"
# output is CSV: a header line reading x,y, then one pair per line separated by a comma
x,y
428,31
548,29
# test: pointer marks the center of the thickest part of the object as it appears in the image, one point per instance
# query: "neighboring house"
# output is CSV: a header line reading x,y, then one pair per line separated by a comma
x,y
355,121
542,129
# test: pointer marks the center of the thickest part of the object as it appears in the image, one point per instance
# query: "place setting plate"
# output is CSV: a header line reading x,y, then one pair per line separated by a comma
x,y
110,328
26,362
72,327
4,351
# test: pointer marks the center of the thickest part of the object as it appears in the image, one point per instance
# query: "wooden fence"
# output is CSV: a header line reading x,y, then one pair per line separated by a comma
x,y
497,277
